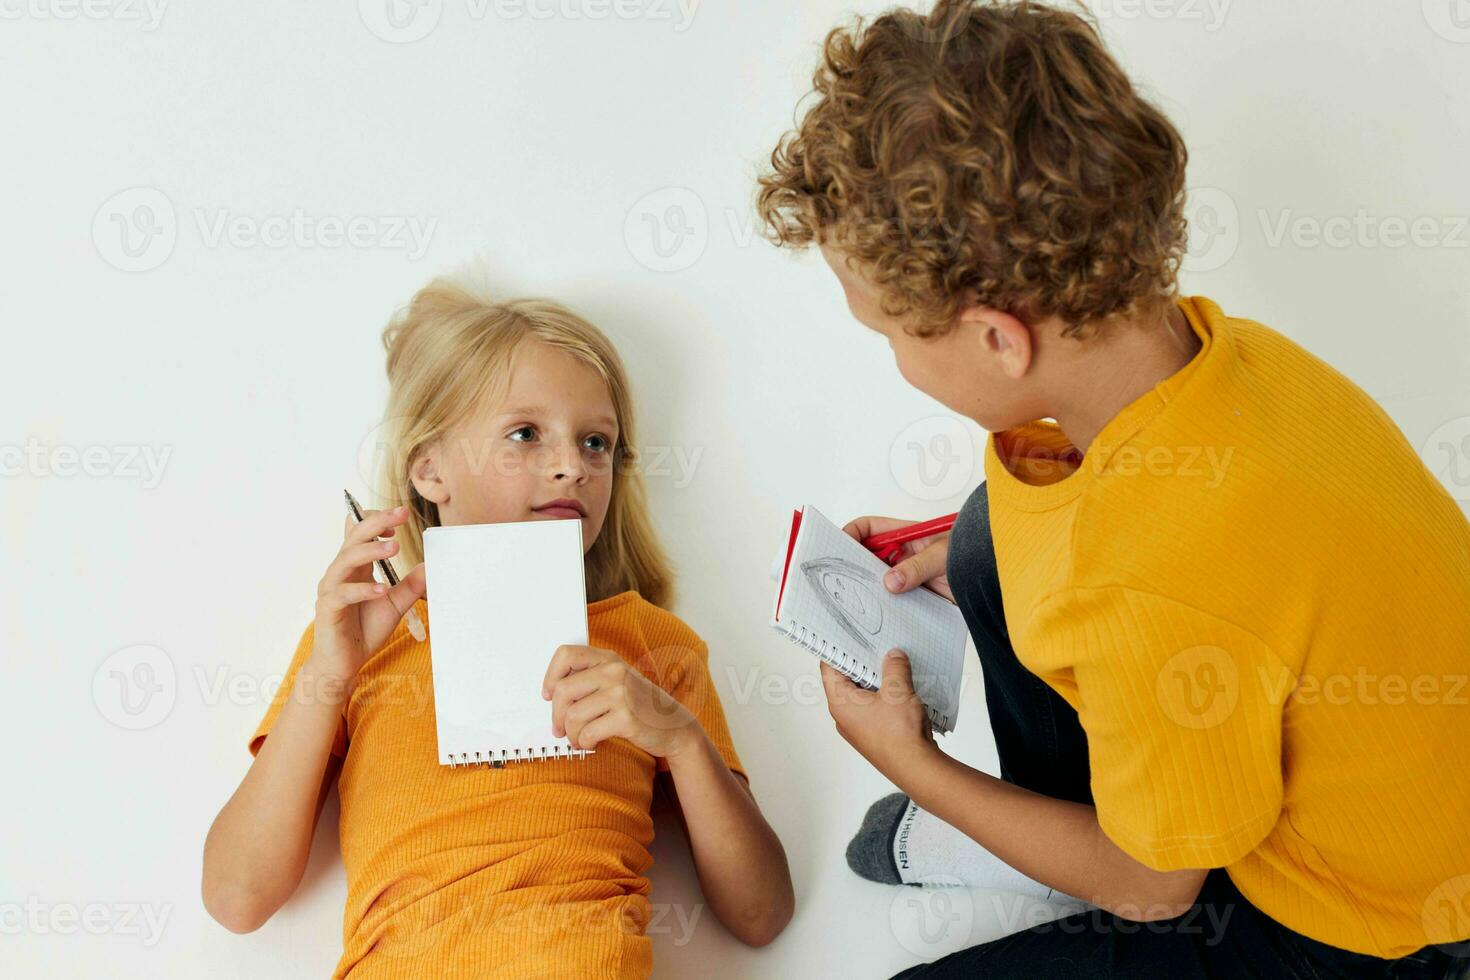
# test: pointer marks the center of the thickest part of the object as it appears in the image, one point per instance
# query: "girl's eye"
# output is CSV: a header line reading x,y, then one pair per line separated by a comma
x,y
528,431
598,444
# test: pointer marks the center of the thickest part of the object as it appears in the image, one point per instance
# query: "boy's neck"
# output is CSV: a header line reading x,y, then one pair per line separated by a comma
x,y
1116,368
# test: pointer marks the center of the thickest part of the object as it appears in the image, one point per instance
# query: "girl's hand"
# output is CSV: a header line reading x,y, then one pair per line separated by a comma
x,y
595,695
924,559
354,614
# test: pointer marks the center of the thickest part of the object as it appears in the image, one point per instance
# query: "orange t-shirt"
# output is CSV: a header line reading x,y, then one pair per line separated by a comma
x,y
531,870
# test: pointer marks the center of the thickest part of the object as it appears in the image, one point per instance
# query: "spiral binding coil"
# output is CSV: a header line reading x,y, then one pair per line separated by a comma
x,y
831,653
499,757
854,669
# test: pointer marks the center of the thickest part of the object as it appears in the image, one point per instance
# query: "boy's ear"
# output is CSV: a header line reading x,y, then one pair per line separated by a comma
x,y
424,472
1002,336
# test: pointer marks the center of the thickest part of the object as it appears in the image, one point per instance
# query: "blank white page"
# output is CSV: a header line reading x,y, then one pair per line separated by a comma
x,y
834,603
502,598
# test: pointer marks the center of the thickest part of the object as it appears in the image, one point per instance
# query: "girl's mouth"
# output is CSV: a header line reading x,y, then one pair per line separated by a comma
x,y
563,509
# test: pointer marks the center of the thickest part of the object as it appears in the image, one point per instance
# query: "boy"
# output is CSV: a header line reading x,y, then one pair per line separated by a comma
x,y
1221,606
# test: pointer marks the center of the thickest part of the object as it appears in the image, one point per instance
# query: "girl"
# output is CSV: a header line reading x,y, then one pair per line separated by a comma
x,y
508,411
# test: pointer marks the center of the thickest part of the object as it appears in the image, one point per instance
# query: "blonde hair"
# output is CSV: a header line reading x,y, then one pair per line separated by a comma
x,y
448,350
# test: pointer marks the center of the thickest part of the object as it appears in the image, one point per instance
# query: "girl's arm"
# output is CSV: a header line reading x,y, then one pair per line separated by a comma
x,y
740,862
596,695
257,847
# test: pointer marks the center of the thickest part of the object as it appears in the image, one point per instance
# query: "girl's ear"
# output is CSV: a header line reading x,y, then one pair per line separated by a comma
x,y
424,473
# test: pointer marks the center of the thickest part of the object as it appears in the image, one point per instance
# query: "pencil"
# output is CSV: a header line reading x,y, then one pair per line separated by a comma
x,y
415,625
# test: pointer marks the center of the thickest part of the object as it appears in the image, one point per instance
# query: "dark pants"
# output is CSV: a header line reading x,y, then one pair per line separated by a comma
x,y
1042,747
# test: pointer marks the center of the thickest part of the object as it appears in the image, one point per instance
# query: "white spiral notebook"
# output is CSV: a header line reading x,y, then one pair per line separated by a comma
x,y
502,598
832,601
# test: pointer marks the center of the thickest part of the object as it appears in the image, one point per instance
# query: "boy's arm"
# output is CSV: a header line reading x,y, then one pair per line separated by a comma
x,y
1057,842
740,862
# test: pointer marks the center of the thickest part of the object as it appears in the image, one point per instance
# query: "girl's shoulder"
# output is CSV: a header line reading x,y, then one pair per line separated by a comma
x,y
628,619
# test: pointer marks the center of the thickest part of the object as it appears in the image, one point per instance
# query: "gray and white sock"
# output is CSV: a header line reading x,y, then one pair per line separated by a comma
x,y
898,843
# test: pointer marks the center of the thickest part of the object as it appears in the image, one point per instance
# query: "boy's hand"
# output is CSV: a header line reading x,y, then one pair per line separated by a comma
x,y
887,726
925,560
596,695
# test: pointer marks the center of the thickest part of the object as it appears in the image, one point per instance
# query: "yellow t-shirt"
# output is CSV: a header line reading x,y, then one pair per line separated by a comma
x,y
531,870
1257,598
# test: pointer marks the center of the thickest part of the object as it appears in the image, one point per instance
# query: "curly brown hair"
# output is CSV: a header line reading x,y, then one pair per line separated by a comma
x,y
992,146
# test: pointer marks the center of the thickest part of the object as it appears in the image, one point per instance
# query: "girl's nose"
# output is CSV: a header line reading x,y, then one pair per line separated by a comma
x,y
569,464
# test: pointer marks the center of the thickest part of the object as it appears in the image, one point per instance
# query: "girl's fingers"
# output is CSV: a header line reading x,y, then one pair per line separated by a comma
x,y
410,589
374,523
595,732
584,712
355,562
347,594
570,690
569,658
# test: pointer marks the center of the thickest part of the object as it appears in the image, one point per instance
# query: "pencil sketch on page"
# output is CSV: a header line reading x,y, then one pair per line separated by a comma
x,y
849,593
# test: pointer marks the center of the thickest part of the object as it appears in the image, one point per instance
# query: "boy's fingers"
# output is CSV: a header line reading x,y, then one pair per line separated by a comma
x,y
917,569
866,527
898,678
840,688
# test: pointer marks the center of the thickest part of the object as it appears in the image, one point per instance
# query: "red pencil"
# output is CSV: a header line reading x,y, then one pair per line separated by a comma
x,y
889,544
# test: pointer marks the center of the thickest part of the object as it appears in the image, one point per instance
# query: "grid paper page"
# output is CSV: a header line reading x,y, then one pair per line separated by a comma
x,y
502,598
834,603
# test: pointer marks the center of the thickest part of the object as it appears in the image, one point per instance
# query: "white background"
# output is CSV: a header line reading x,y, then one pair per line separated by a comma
x,y
528,137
